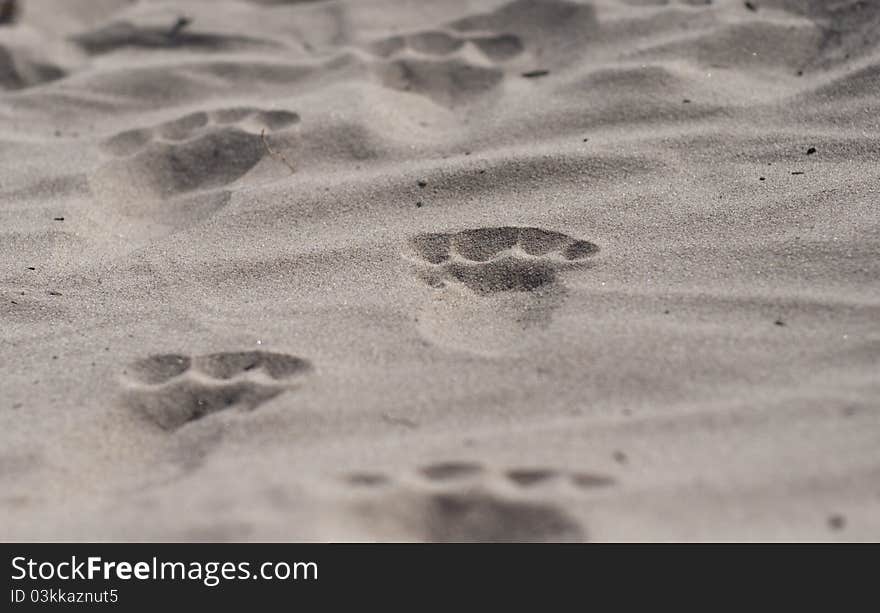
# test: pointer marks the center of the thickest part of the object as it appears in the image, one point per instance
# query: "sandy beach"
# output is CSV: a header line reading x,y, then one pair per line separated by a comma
x,y
459,270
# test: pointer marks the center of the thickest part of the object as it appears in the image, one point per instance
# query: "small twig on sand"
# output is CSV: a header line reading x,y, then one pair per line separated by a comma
x,y
399,421
178,26
275,154
8,11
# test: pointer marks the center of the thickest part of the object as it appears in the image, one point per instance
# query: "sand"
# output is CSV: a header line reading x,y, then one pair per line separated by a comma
x,y
387,270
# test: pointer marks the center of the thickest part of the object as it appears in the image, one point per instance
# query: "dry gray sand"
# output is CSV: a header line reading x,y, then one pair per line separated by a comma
x,y
458,270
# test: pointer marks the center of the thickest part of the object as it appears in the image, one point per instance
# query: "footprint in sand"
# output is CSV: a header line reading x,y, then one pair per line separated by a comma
x,y
493,283
438,43
492,260
170,176
173,390
464,60
447,66
466,501
20,69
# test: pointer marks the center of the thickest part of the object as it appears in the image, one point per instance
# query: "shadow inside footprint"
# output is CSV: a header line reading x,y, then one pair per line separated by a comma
x,y
185,401
554,29
466,501
457,513
448,82
19,71
510,278
482,517
525,477
212,160
451,470
367,479
173,174
173,390
505,275
122,34
501,259
276,366
159,368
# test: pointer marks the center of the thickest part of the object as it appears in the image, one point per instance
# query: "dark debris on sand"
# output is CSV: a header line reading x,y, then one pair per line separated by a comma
x,y
8,11
178,26
837,522
532,74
